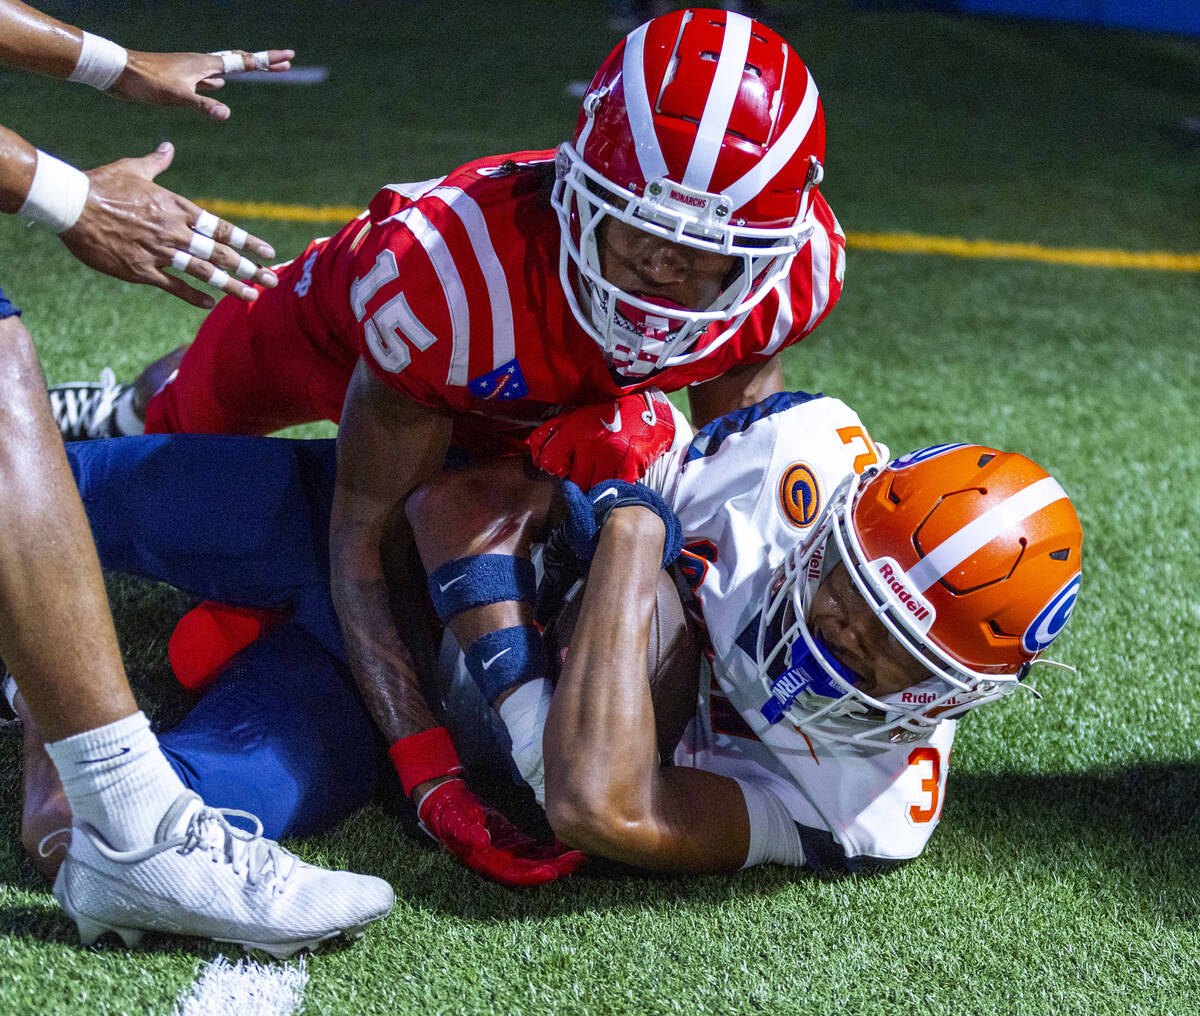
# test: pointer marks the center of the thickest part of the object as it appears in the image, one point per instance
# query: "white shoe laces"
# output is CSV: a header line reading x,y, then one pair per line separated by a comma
x,y
250,854
81,409
102,408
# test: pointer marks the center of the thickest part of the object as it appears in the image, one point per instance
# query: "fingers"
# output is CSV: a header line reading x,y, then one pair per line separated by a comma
x,y
212,109
207,270
509,870
177,287
213,255
149,166
207,224
567,862
238,61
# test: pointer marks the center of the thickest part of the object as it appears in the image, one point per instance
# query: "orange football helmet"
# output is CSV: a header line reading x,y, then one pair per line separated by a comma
x,y
969,556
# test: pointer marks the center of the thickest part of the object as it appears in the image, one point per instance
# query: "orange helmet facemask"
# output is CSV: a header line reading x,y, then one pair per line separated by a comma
x,y
969,556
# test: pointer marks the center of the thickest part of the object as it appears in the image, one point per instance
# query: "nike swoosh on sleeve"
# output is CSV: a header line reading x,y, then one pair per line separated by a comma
x,y
488,663
457,578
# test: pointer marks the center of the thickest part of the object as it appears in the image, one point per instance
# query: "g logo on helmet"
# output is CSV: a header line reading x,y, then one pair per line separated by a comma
x,y
799,494
1045,627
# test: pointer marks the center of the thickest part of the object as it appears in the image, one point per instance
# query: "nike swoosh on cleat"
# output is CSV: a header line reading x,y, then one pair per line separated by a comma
x,y
615,426
107,758
488,663
457,578
611,492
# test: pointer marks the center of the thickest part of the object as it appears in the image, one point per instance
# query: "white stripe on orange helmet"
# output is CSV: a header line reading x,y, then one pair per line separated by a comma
x,y
975,535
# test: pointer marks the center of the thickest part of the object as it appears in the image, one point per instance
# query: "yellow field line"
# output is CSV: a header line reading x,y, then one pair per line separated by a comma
x,y
339,214
898,243
913,243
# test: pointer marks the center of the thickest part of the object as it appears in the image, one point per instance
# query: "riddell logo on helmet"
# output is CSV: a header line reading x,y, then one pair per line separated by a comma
x,y
922,698
920,611
814,564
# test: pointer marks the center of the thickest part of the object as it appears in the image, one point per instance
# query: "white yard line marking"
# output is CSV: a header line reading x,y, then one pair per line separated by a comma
x,y
245,988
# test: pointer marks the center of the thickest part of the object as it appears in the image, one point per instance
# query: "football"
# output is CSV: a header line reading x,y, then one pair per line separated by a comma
x,y
672,659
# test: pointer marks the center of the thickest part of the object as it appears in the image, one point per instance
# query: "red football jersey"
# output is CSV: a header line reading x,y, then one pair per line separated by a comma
x,y
450,288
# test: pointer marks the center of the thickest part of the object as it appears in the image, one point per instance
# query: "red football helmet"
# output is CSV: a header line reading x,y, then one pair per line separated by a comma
x,y
969,556
702,127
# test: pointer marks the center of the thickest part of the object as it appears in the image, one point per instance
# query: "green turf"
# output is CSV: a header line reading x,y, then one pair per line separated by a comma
x,y
1064,876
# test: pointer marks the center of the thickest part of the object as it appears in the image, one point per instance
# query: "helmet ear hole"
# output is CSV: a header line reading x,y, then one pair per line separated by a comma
x,y
1061,554
985,458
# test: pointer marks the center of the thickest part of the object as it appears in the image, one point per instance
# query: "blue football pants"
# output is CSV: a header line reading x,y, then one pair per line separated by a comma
x,y
245,521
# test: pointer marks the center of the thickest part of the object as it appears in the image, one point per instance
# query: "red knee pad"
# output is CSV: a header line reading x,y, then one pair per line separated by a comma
x,y
210,635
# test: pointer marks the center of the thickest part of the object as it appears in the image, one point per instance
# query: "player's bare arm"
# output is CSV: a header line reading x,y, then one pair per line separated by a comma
x,y
36,42
387,444
737,388
499,506
605,790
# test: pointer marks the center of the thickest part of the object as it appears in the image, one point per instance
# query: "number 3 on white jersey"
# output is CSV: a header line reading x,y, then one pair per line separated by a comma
x,y
393,322
928,762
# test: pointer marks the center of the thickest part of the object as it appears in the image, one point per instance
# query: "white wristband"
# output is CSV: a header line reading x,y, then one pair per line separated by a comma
x,y
101,62
57,195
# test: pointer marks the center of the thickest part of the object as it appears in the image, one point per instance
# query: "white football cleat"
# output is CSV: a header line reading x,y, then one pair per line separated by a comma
x,y
205,877
85,410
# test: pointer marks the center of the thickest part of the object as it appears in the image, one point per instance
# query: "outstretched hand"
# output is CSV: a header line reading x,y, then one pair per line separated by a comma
x,y
487,842
132,229
176,79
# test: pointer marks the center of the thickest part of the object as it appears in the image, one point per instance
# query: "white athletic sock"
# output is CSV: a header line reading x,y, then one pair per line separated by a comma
x,y
127,420
117,780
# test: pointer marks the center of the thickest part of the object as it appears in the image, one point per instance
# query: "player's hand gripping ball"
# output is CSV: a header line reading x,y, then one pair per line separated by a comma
x,y
587,513
572,543
616,440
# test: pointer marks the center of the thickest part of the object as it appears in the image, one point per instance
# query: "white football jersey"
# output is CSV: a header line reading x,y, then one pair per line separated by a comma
x,y
745,489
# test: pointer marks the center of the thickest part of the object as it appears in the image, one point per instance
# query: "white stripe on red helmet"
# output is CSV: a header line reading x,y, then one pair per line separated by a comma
x,y
714,124
637,105
778,154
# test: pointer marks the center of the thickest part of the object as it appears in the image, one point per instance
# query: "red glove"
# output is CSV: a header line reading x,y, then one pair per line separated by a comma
x,y
479,836
617,440
486,842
